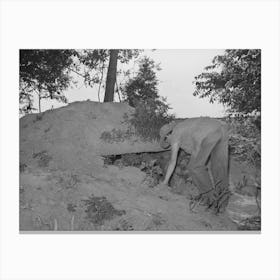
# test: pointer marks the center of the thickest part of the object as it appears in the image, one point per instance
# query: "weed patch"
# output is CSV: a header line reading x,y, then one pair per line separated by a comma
x,y
43,158
39,117
245,141
22,167
99,209
116,135
253,223
147,122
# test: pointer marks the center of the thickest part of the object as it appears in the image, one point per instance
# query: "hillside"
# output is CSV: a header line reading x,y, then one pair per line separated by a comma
x,y
73,176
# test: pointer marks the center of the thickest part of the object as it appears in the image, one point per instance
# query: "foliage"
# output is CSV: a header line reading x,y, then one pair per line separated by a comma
x,y
45,72
125,55
43,158
71,207
244,126
154,172
233,79
90,65
252,223
245,140
68,180
95,64
148,119
48,72
116,135
99,209
22,167
144,85
141,92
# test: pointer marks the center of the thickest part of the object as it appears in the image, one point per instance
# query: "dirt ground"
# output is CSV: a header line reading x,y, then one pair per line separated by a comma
x,y
68,182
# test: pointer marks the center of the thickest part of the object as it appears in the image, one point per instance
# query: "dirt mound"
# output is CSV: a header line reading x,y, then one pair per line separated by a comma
x,y
69,137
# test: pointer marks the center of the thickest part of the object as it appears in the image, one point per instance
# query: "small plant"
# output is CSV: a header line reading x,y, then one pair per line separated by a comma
x,y
148,119
68,181
99,209
245,140
156,222
71,207
252,223
153,171
151,110
39,117
124,226
132,159
106,136
116,135
43,158
47,129
22,167
242,184
110,159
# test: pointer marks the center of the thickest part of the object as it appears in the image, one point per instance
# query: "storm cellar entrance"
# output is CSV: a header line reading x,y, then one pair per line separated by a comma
x,y
155,164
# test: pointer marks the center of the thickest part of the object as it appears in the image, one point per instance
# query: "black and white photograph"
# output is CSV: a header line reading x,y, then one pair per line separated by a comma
x,y
140,140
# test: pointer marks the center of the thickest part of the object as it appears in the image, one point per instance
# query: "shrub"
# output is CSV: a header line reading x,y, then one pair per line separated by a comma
x,y
148,118
245,140
141,92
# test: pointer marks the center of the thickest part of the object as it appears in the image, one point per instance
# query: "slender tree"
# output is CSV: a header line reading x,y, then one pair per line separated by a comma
x,y
111,76
46,74
141,92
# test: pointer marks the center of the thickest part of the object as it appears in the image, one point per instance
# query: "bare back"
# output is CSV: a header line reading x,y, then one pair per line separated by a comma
x,y
190,133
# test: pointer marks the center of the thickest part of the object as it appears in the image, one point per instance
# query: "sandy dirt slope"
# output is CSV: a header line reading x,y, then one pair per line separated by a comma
x,y
65,185
72,134
120,199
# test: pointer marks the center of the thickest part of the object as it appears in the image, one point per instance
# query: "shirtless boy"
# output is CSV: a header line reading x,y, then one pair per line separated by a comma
x,y
206,140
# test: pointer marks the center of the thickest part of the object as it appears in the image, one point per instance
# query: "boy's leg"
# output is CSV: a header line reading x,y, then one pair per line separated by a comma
x,y
219,162
198,163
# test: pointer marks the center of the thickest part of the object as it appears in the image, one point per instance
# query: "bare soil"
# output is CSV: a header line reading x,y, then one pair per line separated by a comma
x,y
68,182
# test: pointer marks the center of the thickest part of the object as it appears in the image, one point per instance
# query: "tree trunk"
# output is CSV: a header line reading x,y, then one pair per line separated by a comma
x,y
111,76
39,101
101,80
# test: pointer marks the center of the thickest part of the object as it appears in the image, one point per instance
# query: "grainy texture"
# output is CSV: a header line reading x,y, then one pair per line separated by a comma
x,y
62,167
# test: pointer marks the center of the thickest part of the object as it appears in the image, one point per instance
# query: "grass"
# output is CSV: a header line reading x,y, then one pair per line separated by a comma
x,y
99,209
43,158
22,167
245,141
116,135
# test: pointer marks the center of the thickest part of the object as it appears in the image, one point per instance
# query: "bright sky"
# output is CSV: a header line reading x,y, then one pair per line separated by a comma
x,y
179,67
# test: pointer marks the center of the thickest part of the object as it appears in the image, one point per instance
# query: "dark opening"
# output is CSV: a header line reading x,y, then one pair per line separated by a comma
x,y
154,164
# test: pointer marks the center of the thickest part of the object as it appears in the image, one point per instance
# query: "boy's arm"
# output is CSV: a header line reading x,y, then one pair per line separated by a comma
x,y
172,163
